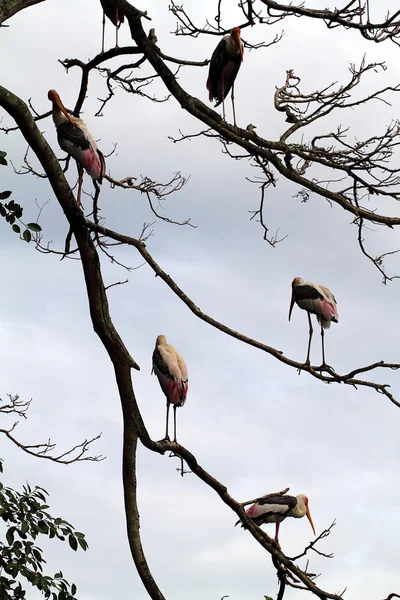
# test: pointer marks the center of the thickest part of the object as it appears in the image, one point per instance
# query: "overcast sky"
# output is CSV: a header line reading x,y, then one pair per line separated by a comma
x,y
252,422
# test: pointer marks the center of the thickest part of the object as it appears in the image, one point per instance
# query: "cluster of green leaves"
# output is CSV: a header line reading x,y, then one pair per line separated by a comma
x,y
11,211
26,517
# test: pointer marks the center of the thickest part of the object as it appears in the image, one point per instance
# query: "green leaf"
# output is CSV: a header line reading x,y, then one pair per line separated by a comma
x,y
83,543
5,195
3,161
24,527
3,154
73,589
10,536
37,554
16,228
34,227
27,235
72,542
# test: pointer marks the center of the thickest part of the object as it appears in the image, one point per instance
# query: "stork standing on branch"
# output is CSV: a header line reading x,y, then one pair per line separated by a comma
x,y
75,139
116,17
318,300
172,374
274,508
224,67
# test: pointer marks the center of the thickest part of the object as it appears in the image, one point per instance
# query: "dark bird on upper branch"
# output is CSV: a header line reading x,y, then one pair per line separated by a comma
x,y
172,374
224,66
318,300
116,17
75,139
274,508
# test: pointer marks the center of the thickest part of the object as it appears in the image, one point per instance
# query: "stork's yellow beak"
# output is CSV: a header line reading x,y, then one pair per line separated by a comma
x,y
310,519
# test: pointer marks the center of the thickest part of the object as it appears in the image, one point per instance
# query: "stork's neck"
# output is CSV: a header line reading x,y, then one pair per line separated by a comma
x,y
58,116
298,511
231,46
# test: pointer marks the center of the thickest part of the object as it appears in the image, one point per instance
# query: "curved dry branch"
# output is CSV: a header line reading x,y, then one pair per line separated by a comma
x,y
353,15
327,375
46,449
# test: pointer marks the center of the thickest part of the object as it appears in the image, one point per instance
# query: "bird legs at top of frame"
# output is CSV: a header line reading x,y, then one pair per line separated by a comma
x,y
104,28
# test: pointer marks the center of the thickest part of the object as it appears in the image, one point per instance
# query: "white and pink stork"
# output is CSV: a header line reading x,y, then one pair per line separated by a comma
x,y
318,300
172,374
75,139
116,16
274,508
224,66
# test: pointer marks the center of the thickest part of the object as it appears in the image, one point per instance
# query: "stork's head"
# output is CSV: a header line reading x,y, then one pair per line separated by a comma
x,y
235,35
56,100
161,340
302,503
296,281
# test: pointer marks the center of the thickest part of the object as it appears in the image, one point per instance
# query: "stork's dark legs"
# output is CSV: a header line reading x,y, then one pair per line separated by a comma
x,y
233,104
80,180
324,366
323,349
116,28
175,407
310,331
223,95
166,423
104,28
277,531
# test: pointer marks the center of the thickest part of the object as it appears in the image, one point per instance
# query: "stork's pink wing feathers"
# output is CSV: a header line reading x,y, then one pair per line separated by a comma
x,y
172,374
90,159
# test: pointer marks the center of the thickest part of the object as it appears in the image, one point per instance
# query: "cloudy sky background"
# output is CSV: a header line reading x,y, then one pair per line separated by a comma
x,y
252,422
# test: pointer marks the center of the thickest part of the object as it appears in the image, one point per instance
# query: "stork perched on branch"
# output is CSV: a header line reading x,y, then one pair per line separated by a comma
x,y
75,139
274,508
172,374
318,300
224,66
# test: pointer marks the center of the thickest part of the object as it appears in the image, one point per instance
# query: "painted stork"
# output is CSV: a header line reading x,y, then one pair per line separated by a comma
x,y
224,66
274,508
75,139
111,11
172,374
318,300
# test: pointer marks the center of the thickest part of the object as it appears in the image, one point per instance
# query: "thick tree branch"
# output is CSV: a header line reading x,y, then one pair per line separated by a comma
x,y
9,8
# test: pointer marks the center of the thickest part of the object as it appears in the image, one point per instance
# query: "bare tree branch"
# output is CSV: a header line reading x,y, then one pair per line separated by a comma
x,y
9,8
45,449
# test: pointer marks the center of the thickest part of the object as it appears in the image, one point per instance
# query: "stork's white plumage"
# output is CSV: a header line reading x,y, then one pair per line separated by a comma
x,y
172,374
274,508
318,300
